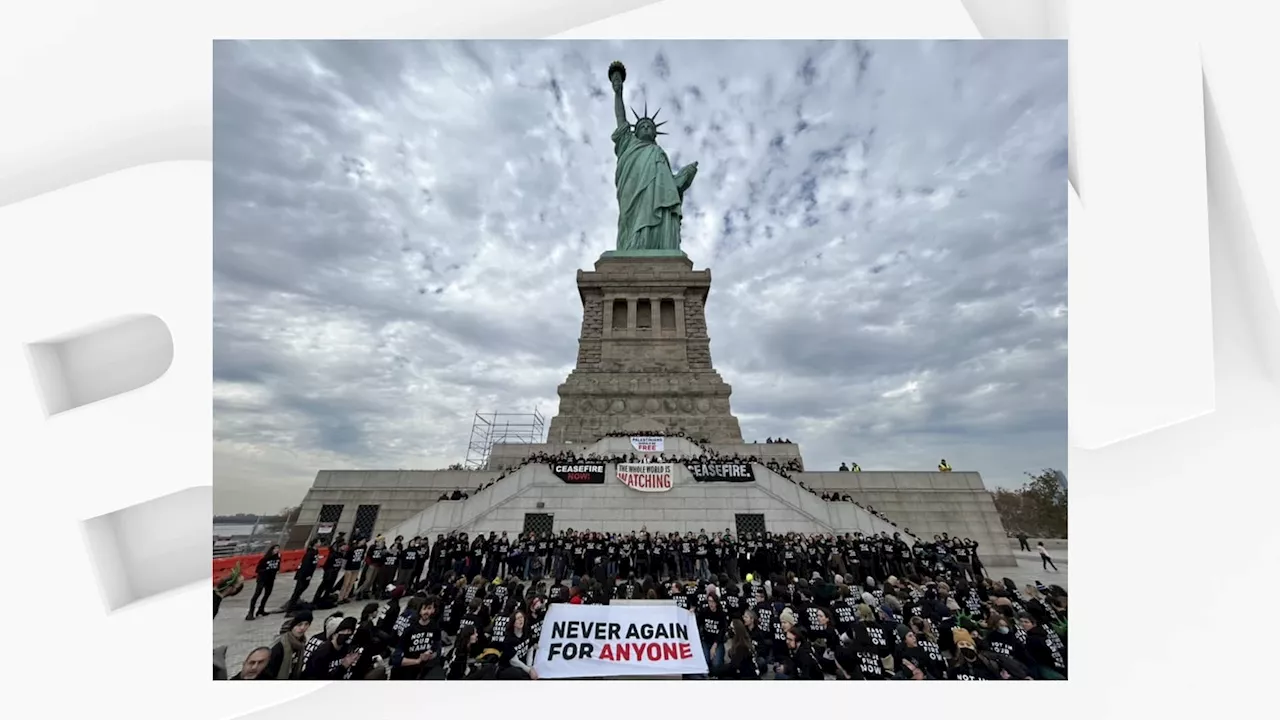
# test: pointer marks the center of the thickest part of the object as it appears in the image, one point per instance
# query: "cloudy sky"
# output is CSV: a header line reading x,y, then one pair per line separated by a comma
x,y
397,226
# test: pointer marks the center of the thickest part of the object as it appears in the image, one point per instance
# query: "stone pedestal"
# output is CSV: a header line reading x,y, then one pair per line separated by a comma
x,y
644,357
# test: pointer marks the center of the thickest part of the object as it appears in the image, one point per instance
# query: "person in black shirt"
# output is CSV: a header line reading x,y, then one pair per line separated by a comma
x,y
713,623
518,648
334,560
267,568
355,552
741,659
255,665
302,578
801,663
374,559
1047,658
967,663
419,646
408,563
457,664
332,659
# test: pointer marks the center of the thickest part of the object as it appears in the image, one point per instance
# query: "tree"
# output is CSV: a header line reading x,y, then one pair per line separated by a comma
x,y
1038,508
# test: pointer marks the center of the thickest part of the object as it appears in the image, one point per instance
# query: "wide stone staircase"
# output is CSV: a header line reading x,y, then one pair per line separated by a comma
x,y
613,507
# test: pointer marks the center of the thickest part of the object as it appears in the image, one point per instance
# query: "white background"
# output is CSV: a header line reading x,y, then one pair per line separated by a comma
x,y
1175,344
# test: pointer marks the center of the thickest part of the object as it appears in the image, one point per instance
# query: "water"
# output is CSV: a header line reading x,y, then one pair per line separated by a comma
x,y
234,530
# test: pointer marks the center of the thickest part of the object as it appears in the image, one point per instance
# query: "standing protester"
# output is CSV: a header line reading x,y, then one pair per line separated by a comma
x,y
408,563
1022,542
355,551
334,561
267,568
302,578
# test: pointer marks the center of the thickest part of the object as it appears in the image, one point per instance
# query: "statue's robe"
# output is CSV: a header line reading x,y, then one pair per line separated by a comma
x,y
648,199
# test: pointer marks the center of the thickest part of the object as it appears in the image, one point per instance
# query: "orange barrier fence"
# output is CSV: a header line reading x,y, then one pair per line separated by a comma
x,y
289,562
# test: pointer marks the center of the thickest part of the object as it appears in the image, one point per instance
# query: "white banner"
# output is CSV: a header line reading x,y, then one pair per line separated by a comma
x,y
647,444
618,641
646,477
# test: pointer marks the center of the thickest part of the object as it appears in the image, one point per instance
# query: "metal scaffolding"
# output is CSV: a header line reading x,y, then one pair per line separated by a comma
x,y
490,428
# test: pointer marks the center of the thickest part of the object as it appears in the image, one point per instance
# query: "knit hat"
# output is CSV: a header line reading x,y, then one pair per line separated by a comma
x,y
348,623
331,625
839,579
963,638
868,598
298,619
787,616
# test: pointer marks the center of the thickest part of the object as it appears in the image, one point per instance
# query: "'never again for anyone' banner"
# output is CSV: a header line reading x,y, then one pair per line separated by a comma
x,y
721,471
580,473
618,641
645,477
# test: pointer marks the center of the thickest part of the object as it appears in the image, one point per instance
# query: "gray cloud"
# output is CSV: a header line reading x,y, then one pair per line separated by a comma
x,y
397,226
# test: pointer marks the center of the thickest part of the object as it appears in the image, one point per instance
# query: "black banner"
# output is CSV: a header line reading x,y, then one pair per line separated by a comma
x,y
580,473
730,471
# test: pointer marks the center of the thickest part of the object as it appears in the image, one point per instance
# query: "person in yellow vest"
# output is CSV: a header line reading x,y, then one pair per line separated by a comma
x,y
943,466
856,468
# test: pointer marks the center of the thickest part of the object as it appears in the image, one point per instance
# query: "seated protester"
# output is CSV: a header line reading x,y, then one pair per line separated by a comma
x,y
476,617
1047,662
451,617
741,661
458,662
389,611
934,662
501,624
319,639
800,662
255,665
915,663
419,646
842,612
372,646
890,627
333,658
825,640
396,628
761,637
860,655
285,662
967,663
517,648
733,602
713,626
783,622
1002,640
871,633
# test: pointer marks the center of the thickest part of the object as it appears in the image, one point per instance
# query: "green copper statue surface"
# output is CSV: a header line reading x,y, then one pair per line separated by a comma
x,y
649,195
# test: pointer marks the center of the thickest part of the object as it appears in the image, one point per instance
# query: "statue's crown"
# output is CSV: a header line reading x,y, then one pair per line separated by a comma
x,y
645,116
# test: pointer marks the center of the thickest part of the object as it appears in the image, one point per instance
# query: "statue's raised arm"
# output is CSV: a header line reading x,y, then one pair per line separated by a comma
x,y
617,76
649,194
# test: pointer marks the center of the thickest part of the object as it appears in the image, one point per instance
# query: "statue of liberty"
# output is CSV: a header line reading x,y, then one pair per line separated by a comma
x,y
649,196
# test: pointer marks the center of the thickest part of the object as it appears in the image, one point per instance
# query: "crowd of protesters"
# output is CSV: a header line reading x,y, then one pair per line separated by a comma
x,y
768,606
